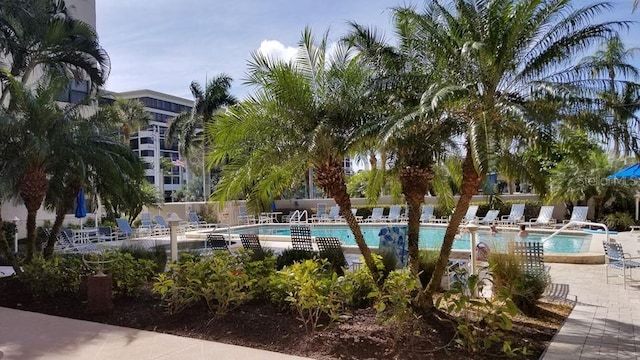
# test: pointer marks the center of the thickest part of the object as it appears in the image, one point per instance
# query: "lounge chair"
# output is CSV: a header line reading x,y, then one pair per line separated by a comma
x,y
543,219
195,222
321,212
334,214
427,213
617,259
243,217
146,225
106,234
515,216
250,242
301,238
394,214
471,214
125,231
216,242
490,217
376,215
531,256
579,213
65,243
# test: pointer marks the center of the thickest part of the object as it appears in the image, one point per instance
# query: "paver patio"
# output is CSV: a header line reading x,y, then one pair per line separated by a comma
x,y
605,324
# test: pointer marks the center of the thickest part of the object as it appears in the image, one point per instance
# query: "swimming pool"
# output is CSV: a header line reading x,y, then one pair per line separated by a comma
x,y
431,237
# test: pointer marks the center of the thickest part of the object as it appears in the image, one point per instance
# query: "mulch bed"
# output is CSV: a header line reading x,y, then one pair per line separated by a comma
x,y
262,325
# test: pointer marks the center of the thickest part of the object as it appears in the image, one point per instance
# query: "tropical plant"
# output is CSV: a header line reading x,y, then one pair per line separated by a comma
x,y
611,62
207,102
40,36
507,73
302,115
128,116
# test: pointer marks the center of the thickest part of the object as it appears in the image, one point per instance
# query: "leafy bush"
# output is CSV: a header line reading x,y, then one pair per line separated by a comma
x,y
481,322
359,287
128,274
219,280
393,300
260,268
335,257
618,221
157,254
311,289
390,262
58,275
291,256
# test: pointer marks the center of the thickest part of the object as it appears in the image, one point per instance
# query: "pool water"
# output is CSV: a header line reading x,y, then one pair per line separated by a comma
x,y
431,237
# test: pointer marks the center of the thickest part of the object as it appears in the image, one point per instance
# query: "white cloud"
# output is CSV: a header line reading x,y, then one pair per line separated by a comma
x,y
275,49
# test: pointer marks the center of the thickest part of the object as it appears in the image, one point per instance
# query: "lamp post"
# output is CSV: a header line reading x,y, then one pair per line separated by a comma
x,y
15,234
174,220
473,230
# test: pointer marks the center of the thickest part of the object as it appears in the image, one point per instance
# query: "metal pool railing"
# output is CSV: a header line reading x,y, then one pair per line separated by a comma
x,y
572,223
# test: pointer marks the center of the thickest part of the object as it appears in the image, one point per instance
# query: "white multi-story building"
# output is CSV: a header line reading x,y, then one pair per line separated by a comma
x,y
149,143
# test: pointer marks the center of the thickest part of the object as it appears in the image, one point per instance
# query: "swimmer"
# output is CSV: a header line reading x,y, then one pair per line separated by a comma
x,y
523,231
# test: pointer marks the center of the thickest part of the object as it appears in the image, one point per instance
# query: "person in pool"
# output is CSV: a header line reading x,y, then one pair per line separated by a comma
x,y
493,229
523,231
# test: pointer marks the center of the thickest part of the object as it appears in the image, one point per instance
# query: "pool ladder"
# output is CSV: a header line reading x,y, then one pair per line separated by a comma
x,y
572,223
298,215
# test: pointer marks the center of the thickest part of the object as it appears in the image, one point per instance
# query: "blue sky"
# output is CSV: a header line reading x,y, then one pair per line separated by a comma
x,y
163,45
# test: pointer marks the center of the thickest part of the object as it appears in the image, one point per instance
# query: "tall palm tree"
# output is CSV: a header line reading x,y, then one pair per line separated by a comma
x,y
39,35
303,114
499,61
189,125
611,62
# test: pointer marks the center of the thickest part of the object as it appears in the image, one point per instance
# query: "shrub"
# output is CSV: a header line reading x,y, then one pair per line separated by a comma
x,y
157,254
481,322
336,259
311,289
393,300
128,274
260,268
359,287
291,256
58,275
390,262
525,289
218,280
618,221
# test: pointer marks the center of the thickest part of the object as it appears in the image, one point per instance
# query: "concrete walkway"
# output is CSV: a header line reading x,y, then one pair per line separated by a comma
x,y
27,335
605,324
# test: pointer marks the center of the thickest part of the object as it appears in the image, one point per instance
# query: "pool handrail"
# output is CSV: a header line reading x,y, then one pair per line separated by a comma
x,y
223,226
572,223
297,216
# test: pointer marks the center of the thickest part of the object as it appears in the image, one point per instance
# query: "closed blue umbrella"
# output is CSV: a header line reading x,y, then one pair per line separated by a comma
x,y
81,209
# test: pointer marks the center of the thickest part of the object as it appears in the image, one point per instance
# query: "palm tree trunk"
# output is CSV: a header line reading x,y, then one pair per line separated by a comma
x,y
6,250
415,183
470,182
32,189
330,176
57,225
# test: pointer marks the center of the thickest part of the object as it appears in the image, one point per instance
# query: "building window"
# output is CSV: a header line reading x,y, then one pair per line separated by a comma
x,y
148,153
146,140
151,179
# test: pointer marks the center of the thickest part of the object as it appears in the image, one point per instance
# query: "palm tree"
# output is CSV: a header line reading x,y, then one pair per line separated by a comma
x,y
303,114
207,102
499,62
611,62
39,35
128,115
44,137
100,158
416,140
